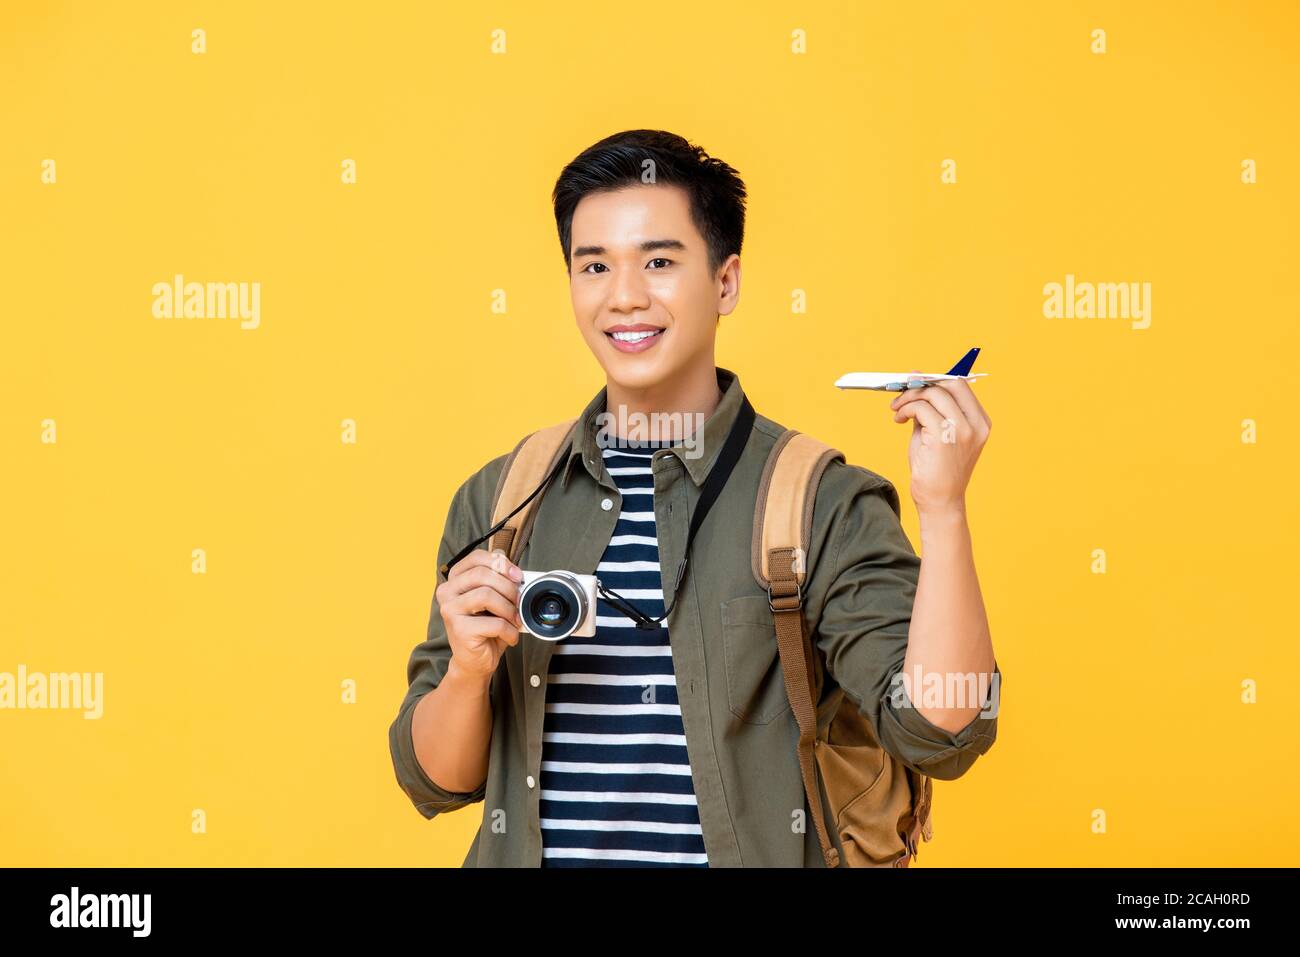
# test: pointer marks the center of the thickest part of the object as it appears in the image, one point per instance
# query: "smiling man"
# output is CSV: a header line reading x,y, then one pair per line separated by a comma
x,y
675,745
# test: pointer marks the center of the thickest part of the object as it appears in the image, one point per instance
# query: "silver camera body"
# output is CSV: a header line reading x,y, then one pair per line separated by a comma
x,y
557,604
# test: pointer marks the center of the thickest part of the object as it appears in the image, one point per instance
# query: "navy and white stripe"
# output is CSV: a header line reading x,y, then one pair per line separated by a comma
x,y
616,778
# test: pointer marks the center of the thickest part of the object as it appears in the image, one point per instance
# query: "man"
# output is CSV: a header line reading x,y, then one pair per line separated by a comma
x,y
676,745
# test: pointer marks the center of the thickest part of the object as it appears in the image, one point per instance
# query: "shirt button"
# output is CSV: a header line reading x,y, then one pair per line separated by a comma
x,y
534,680
606,504
531,782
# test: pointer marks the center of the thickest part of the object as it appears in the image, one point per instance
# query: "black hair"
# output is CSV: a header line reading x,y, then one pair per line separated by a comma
x,y
630,158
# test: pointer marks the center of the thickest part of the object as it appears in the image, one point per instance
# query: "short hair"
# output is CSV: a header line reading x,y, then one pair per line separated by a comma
x,y
715,189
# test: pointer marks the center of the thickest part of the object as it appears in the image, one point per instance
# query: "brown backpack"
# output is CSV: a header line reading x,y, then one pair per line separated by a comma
x,y
879,807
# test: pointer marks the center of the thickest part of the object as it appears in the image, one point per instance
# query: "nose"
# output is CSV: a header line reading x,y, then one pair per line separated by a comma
x,y
629,292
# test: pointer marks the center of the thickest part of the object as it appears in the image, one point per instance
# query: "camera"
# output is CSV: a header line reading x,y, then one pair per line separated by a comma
x,y
557,604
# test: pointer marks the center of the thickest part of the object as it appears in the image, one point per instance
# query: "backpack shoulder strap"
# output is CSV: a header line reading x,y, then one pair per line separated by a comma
x,y
783,513
529,462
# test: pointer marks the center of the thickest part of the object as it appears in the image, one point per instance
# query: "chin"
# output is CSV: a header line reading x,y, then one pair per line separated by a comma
x,y
633,373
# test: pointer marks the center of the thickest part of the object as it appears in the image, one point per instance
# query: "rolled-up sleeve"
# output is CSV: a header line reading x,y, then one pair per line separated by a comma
x,y
426,668
864,623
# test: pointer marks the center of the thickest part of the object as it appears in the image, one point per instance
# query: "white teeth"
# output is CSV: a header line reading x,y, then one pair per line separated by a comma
x,y
634,336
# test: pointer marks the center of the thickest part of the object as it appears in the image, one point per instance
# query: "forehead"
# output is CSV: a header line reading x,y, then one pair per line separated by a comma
x,y
632,214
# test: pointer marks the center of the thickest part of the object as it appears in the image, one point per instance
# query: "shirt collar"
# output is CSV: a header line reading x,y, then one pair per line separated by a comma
x,y
698,457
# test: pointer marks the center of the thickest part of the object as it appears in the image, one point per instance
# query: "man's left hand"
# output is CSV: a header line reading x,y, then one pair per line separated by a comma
x,y
949,428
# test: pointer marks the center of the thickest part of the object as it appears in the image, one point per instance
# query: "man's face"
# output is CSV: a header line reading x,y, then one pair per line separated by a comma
x,y
639,264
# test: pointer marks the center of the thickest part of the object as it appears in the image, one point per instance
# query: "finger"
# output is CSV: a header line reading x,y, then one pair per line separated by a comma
x,y
473,560
478,577
483,599
510,632
479,557
908,393
491,628
964,395
925,413
503,631
941,402
947,406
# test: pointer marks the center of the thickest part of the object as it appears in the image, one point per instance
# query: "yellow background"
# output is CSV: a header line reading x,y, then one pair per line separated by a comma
x,y
222,691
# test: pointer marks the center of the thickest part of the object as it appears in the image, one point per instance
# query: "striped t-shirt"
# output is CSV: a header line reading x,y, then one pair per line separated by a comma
x,y
615,777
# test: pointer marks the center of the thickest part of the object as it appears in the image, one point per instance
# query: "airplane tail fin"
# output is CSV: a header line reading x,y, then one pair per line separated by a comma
x,y
963,366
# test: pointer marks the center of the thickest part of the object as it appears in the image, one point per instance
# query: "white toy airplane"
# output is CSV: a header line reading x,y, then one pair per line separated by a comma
x,y
898,381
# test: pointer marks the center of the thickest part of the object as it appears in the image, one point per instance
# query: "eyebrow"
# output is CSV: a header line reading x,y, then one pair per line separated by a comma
x,y
648,246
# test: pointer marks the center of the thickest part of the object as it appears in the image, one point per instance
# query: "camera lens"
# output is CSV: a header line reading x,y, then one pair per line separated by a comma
x,y
553,606
550,610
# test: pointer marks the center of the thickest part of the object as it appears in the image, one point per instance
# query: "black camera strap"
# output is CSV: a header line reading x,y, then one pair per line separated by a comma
x,y
713,485
451,563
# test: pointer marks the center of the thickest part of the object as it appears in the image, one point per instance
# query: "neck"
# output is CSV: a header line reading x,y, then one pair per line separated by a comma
x,y
666,411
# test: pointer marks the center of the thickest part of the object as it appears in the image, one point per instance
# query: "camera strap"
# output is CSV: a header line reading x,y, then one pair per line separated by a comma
x,y
713,485
447,566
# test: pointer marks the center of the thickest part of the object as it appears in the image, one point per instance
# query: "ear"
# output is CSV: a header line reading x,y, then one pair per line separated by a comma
x,y
729,275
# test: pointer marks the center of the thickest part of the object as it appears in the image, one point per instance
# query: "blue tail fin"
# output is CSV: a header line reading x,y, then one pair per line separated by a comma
x,y
964,365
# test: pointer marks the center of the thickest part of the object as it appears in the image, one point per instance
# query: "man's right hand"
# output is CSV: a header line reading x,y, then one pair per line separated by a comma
x,y
479,607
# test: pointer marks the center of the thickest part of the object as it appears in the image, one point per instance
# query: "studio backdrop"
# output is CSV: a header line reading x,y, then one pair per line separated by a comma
x,y
219,525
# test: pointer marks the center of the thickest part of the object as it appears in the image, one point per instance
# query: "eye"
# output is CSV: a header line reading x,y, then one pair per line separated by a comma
x,y
660,259
589,265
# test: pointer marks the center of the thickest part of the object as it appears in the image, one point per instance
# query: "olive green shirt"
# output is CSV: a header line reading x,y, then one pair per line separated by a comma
x,y
740,732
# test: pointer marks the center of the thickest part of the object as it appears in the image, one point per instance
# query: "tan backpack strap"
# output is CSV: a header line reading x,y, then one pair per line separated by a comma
x,y
787,492
528,463
922,827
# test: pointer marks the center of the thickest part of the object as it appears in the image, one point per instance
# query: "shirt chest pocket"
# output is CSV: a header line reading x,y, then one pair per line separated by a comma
x,y
755,680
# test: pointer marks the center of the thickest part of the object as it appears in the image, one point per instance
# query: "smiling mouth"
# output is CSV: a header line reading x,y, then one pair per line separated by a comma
x,y
634,337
